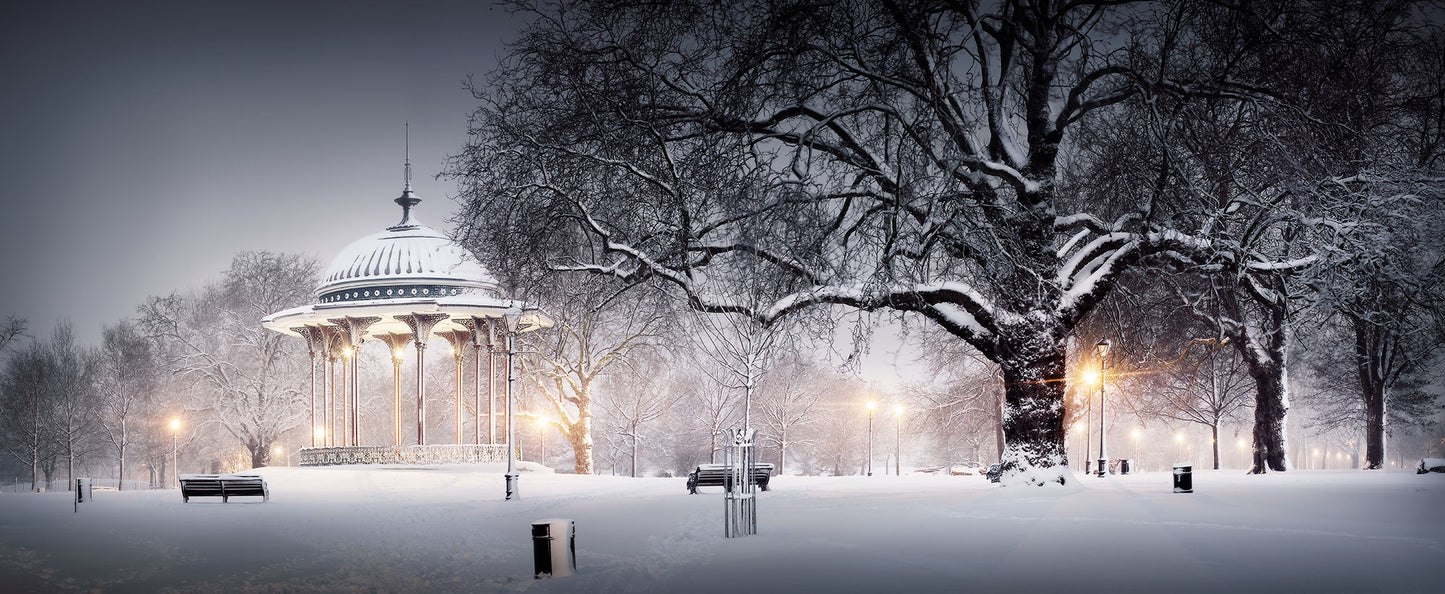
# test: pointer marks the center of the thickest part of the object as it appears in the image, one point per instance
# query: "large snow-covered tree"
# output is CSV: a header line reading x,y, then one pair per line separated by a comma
x,y
595,333
880,155
246,378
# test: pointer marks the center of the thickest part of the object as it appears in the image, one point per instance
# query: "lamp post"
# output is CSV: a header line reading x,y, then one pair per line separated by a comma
x,y
1179,446
512,318
898,442
176,449
872,404
1137,434
1103,350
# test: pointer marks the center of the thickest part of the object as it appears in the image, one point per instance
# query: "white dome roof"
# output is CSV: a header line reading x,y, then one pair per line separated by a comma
x,y
406,260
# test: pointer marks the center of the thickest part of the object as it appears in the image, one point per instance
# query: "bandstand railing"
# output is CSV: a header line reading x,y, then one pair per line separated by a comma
x,y
408,454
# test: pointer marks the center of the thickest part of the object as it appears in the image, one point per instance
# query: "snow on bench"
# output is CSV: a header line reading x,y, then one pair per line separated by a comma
x,y
1430,465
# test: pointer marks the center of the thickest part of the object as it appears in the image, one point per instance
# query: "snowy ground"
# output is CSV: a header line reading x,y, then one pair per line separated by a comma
x,y
430,529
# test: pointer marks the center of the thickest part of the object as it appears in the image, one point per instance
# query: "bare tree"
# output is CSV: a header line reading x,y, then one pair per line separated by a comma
x,y
1208,385
595,331
791,399
248,379
72,400
26,431
126,380
13,329
874,155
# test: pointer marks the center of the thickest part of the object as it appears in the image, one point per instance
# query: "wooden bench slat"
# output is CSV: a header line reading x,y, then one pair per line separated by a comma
x,y
224,486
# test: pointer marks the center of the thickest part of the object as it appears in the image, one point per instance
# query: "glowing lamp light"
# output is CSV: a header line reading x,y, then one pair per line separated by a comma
x,y
898,410
398,354
320,433
1091,377
872,404
175,424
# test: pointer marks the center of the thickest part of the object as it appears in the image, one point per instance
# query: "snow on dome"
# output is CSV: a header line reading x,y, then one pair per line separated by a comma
x,y
408,260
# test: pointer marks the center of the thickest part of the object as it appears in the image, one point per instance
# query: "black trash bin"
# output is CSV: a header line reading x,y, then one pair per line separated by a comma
x,y
1183,478
554,548
1125,465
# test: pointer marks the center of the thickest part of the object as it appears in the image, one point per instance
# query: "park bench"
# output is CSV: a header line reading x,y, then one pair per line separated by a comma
x,y
717,475
224,486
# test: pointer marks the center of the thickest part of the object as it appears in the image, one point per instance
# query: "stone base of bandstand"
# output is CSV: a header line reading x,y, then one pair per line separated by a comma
x,y
407,454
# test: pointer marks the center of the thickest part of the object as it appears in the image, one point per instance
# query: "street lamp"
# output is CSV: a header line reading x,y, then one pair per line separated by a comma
x,y
280,451
512,318
898,442
1243,463
1179,446
1103,350
541,427
176,448
872,404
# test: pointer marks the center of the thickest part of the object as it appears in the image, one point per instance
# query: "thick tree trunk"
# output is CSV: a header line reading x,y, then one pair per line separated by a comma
x,y
1270,405
581,450
1372,388
783,451
1033,420
1214,440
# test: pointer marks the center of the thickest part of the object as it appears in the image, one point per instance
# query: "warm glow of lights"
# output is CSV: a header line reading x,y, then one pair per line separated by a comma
x,y
1241,444
1179,437
898,410
278,450
1091,377
451,350
1078,428
872,404
398,353
1137,435
175,424
320,433
346,352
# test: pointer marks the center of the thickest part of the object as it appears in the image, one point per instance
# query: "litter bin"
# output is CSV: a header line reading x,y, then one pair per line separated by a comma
x,y
1125,465
554,548
1183,478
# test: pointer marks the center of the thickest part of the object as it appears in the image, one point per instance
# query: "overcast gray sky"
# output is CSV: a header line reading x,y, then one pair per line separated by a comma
x,y
142,144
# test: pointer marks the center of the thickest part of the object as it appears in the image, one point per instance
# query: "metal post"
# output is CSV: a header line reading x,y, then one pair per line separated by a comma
x,y
870,441
1103,456
511,451
175,456
898,447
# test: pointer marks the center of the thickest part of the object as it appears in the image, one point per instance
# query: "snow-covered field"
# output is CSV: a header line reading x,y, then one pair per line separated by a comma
x,y
446,528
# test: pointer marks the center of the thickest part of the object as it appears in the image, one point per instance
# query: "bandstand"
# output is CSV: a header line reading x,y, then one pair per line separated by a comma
x,y
402,287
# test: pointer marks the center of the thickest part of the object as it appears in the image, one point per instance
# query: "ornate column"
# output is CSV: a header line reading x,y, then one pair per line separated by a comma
x,y
353,332
480,334
458,340
396,345
333,338
421,325
315,345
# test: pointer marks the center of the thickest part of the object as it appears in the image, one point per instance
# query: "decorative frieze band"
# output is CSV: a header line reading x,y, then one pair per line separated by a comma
x,y
411,454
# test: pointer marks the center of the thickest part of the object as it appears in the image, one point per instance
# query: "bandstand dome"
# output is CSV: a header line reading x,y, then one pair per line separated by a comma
x,y
403,286
407,260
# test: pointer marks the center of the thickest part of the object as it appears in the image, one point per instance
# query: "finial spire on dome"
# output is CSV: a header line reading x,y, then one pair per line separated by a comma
x,y
408,199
